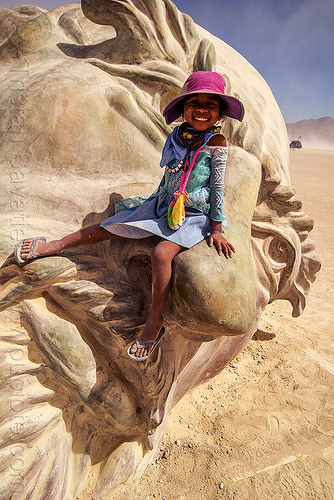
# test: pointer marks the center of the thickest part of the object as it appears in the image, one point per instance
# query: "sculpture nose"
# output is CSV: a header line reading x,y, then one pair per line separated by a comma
x,y
227,306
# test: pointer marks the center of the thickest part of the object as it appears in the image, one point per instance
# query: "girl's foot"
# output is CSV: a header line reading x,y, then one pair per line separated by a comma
x,y
141,350
31,248
145,343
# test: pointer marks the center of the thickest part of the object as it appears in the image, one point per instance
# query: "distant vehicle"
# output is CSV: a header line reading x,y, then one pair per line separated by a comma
x,y
296,144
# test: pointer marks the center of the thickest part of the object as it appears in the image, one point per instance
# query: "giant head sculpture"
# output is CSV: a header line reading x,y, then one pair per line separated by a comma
x,y
81,101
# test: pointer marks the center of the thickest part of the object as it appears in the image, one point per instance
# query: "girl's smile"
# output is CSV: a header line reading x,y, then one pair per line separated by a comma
x,y
202,111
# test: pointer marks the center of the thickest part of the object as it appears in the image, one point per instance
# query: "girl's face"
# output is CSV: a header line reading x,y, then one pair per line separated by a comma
x,y
201,110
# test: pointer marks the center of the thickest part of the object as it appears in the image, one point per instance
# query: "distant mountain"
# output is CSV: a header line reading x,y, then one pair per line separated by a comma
x,y
315,133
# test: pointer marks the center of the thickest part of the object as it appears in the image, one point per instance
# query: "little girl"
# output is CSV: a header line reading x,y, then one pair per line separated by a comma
x,y
196,148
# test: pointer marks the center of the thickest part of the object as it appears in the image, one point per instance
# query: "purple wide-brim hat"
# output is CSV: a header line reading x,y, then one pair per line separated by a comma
x,y
203,82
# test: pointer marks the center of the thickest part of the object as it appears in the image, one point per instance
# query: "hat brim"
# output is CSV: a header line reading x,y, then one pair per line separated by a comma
x,y
175,108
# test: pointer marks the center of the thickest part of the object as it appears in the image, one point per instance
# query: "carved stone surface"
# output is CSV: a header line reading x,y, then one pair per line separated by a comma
x,y
81,122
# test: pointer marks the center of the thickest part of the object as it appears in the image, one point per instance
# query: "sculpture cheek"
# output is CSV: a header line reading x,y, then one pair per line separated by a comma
x,y
218,296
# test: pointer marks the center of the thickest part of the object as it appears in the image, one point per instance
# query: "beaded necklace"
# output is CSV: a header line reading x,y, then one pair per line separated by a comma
x,y
175,169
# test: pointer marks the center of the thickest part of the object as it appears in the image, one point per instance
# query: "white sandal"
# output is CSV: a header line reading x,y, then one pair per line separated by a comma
x,y
145,345
18,248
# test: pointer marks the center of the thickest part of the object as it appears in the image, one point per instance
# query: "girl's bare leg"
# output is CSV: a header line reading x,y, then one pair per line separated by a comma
x,y
161,259
85,236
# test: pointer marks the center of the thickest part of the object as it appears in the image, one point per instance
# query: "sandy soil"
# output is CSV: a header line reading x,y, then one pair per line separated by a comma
x,y
264,427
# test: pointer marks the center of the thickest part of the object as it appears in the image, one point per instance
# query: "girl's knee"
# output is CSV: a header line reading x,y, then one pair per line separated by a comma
x,y
160,256
164,253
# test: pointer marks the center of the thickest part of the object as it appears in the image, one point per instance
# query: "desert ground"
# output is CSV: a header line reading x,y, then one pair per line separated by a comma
x,y
264,427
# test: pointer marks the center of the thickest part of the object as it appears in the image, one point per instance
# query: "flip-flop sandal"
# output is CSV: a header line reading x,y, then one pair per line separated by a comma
x,y
146,344
18,248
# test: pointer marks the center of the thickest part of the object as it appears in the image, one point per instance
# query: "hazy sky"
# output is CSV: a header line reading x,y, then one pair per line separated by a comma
x,y
290,42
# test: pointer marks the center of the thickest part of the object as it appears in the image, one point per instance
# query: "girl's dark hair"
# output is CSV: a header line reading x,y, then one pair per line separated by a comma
x,y
223,108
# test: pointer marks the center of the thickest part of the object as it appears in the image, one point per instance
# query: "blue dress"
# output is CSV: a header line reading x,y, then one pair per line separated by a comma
x,y
137,219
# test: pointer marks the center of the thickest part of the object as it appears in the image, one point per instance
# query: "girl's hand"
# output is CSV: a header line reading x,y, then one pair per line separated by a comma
x,y
217,239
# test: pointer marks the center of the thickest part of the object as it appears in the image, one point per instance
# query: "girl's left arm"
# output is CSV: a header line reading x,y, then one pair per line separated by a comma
x,y
218,164
217,239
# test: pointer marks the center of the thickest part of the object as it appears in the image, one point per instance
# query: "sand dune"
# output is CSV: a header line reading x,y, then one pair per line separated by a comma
x,y
264,428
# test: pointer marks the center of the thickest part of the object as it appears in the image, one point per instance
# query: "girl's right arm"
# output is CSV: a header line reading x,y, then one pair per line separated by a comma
x,y
157,191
